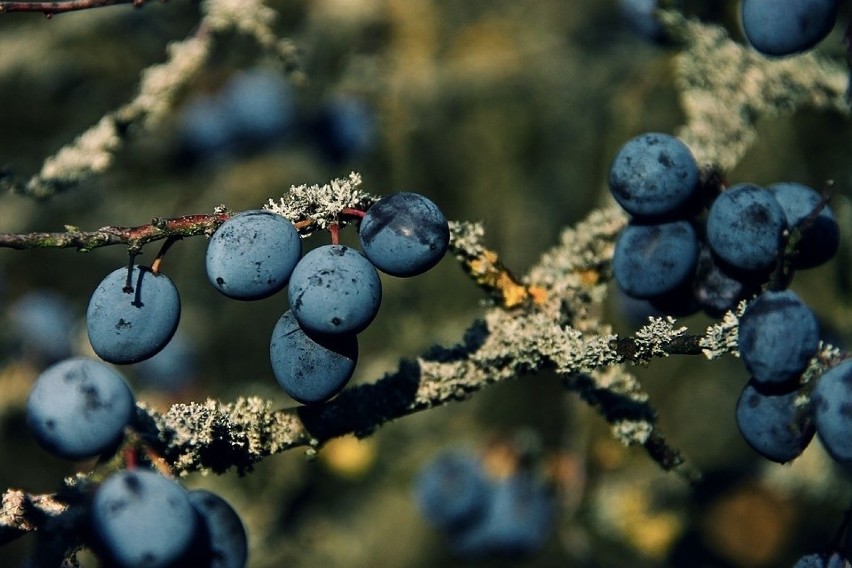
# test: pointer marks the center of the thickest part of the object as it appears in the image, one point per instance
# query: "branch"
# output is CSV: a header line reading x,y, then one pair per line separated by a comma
x,y
557,333
93,152
135,237
725,88
50,8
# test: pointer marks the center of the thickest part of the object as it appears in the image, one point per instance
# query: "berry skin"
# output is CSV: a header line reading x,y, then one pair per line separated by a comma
x,y
654,177
745,226
252,254
171,369
821,239
786,27
716,290
641,16
345,128
225,531
141,519
452,491
516,523
334,289
778,335
44,322
259,106
831,401
127,326
652,260
404,234
78,408
311,368
772,424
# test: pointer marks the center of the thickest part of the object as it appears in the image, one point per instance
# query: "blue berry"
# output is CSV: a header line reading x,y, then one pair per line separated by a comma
x,y
745,226
252,254
654,176
252,111
127,325
821,239
786,27
344,129
641,16
171,369
652,260
260,108
714,288
79,408
404,234
311,368
452,490
44,321
205,129
141,519
517,521
831,401
334,289
772,423
225,531
778,335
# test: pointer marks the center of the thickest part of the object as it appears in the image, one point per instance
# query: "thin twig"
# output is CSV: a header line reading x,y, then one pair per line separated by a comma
x,y
158,229
50,8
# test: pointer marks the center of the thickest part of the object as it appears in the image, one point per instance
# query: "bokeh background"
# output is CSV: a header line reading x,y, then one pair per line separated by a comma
x,y
503,112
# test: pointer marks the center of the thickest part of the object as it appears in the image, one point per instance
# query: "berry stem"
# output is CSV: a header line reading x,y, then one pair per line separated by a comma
x,y
128,283
158,260
334,229
353,212
130,461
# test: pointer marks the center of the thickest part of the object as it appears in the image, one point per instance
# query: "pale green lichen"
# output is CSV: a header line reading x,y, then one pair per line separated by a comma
x,y
632,432
324,204
652,338
725,87
722,338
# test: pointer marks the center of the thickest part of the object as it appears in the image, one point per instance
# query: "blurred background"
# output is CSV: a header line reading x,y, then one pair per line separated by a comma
x,y
503,112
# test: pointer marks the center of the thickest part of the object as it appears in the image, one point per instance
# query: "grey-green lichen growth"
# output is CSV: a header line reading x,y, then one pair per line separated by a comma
x,y
160,88
213,435
322,205
725,87
722,338
652,338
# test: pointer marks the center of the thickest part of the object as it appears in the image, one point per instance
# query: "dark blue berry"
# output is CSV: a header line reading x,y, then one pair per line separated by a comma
x,y
334,289
831,401
79,408
252,254
404,234
517,521
452,490
44,322
654,176
141,519
311,368
225,531
778,335
820,239
786,27
344,129
773,423
745,227
652,260
127,324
